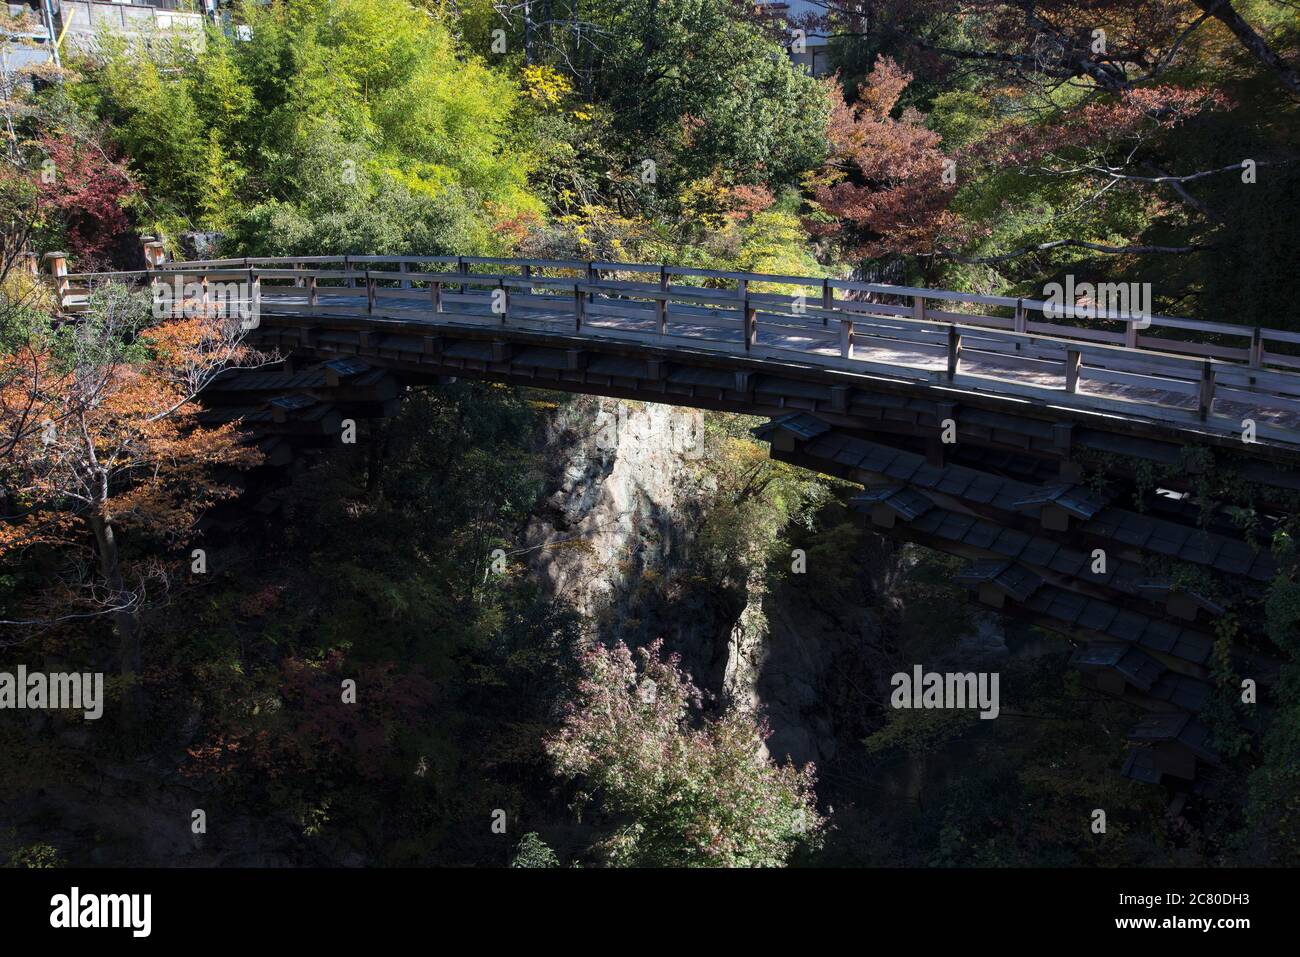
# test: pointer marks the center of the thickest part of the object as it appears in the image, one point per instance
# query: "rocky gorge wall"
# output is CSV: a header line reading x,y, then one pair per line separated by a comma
x,y
628,486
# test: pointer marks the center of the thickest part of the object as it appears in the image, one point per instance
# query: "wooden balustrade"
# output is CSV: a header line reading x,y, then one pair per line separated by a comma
x,y
855,326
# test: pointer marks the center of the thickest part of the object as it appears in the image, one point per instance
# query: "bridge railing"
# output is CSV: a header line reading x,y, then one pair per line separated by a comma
x,y
1163,333
1152,365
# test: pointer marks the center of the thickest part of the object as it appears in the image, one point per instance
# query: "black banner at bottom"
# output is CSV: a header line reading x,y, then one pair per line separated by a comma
x,y
331,907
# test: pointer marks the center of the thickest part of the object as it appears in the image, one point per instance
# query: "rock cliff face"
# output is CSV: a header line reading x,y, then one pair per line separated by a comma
x,y
624,480
627,489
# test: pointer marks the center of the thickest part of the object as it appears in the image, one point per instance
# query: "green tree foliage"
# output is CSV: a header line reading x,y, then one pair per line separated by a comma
x,y
690,73
683,796
534,852
357,125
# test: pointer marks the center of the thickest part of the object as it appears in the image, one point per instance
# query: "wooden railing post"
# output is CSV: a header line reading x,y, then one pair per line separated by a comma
x,y
1256,347
203,291
57,266
751,323
505,301
846,338
828,300
435,295
154,254
1131,335
661,303
254,297
1021,322
298,281
579,306
403,267
1073,363
462,267
370,293
347,268
1206,397
954,352
918,307
591,278
312,294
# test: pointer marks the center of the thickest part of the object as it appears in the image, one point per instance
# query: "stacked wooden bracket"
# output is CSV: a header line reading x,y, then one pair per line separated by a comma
x,y
298,407
1069,559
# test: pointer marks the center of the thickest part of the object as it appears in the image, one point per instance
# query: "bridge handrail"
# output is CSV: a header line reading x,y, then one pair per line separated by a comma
x,y
927,293
887,289
847,285
825,326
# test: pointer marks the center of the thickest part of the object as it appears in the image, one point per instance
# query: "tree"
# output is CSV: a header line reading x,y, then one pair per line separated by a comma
x,y
1056,42
534,852
694,796
885,188
99,435
85,194
1148,140
362,112
694,85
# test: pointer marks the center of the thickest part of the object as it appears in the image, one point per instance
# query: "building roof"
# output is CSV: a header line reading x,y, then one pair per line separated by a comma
x,y
1180,727
1163,589
1181,691
1140,765
1138,668
347,367
294,402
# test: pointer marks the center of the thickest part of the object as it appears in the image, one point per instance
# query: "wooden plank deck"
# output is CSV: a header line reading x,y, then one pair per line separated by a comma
x,y
992,367
1176,372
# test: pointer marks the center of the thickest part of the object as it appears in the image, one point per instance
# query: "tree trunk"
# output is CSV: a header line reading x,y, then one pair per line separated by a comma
x,y
125,621
1255,44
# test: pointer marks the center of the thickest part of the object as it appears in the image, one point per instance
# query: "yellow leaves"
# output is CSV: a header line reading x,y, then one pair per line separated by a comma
x,y
601,232
26,290
545,85
426,178
173,339
703,202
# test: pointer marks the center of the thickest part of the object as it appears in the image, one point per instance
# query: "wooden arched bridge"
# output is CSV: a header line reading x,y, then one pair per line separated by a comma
x,y
984,426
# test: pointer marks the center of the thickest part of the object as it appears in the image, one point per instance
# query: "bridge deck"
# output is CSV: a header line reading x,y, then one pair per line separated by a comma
x,y
1180,373
981,358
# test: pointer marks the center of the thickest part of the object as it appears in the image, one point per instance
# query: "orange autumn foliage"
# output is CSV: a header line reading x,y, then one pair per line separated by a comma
x,y
113,440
